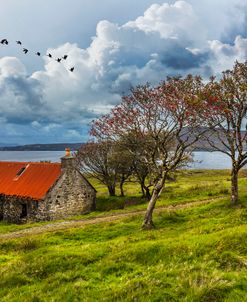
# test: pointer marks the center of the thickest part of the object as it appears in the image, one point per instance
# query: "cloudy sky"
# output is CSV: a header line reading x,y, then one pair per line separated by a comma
x,y
113,45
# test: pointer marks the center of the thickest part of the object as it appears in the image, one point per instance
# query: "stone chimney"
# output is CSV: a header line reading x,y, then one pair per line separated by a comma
x,y
67,161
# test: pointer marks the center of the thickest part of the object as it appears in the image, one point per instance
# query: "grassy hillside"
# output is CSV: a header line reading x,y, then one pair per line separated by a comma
x,y
189,186
196,254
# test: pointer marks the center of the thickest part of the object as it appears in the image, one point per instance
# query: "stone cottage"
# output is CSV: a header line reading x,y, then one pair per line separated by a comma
x,y
31,191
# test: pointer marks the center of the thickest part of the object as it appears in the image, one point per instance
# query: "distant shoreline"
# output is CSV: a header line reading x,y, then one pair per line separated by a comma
x,y
43,147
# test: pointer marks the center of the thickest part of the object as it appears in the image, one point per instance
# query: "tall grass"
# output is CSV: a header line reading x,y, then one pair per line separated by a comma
x,y
198,254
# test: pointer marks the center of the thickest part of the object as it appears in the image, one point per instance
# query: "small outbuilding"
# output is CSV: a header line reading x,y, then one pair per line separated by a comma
x,y
36,191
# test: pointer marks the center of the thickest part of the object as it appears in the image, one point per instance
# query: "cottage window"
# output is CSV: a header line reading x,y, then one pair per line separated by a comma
x,y
20,171
23,211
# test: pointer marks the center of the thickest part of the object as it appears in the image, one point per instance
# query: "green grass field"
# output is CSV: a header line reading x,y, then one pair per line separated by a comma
x,y
195,254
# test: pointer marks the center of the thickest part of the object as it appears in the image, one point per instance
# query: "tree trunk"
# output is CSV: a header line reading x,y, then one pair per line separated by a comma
x,y
145,191
234,186
121,187
111,190
148,219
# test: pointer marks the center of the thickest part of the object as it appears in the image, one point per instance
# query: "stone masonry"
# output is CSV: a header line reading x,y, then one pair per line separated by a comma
x,y
71,194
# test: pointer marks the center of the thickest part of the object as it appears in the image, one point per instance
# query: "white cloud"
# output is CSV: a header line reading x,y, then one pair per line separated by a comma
x,y
175,21
118,57
36,125
10,66
225,54
71,133
167,39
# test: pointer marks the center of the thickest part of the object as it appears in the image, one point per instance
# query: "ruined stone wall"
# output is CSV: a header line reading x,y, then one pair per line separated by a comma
x,y
1,206
71,195
13,209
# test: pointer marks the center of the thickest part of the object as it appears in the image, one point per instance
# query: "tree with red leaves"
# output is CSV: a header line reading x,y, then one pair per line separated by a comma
x,y
164,120
227,106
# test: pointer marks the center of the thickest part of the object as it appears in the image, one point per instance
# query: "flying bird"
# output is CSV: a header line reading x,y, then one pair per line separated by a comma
x,y
4,41
25,51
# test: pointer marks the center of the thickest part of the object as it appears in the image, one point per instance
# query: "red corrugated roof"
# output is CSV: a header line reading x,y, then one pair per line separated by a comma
x,y
34,182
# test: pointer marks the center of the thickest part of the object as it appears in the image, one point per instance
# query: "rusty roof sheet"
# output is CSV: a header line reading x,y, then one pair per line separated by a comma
x,y
33,181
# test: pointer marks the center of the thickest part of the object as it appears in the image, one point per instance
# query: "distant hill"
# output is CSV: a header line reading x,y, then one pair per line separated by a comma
x,y
201,144
4,145
43,147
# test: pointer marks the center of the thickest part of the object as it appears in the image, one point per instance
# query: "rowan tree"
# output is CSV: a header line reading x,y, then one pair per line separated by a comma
x,y
227,108
165,120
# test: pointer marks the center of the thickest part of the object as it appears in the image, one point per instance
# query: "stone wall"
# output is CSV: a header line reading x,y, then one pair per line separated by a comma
x,y
14,209
71,195
1,206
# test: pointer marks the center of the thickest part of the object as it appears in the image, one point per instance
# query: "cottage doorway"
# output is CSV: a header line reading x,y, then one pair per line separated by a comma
x,y
23,211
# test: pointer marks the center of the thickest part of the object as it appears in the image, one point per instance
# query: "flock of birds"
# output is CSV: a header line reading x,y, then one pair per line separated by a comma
x,y
25,51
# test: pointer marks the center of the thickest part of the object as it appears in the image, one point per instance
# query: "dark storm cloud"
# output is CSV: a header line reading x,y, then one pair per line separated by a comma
x,y
28,90
182,59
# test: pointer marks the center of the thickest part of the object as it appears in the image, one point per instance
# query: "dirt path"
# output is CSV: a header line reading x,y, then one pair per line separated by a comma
x,y
78,223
